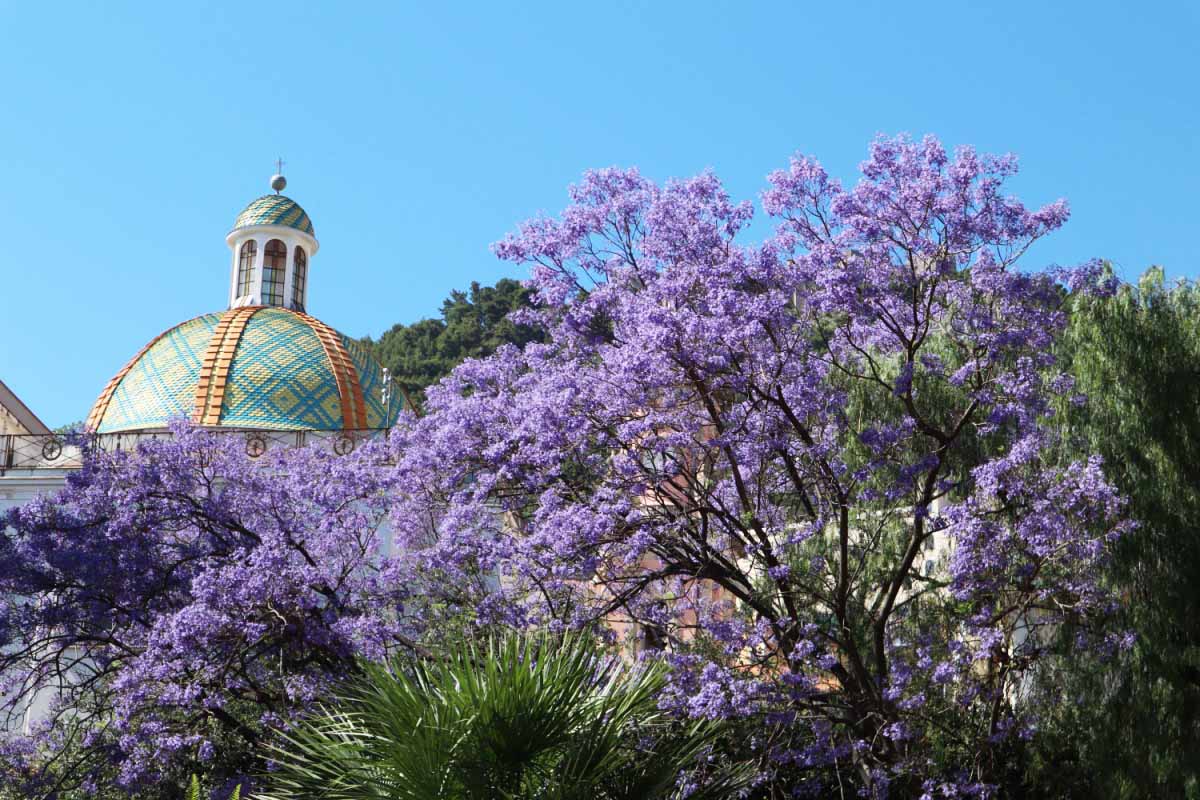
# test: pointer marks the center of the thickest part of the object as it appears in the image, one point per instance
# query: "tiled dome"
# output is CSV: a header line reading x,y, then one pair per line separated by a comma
x,y
275,209
249,367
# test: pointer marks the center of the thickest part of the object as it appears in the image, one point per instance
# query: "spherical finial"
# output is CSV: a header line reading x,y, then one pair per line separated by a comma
x,y
278,182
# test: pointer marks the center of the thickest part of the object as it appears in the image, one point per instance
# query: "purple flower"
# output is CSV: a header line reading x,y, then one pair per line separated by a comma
x,y
729,453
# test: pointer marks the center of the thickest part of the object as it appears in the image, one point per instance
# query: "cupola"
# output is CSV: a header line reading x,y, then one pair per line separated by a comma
x,y
272,242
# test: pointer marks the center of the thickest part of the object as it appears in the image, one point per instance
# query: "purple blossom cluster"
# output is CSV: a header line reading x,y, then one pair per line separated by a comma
x,y
185,594
743,454
740,457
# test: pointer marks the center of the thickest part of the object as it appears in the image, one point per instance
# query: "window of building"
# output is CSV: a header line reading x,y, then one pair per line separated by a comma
x,y
274,268
246,268
298,278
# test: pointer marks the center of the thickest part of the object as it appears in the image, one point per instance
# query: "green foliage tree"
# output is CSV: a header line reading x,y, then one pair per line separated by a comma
x,y
519,717
1130,726
473,324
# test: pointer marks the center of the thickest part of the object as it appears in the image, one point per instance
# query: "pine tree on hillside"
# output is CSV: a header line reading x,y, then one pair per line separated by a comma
x,y
473,324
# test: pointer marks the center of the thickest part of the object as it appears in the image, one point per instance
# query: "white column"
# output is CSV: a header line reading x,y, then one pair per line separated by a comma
x,y
260,260
237,255
289,266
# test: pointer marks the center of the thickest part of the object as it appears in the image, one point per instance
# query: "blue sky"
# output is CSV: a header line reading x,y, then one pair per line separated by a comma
x,y
416,135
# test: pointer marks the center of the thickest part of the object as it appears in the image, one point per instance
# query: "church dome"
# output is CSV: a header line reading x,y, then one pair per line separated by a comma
x,y
248,367
275,209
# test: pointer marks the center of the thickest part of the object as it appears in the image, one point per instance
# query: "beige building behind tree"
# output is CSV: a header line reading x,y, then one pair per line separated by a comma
x,y
15,416
33,460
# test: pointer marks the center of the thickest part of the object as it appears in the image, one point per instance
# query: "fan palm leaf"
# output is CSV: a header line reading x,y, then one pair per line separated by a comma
x,y
514,718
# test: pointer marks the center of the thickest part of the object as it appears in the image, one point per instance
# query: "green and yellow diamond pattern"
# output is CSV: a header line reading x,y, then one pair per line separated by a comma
x,y
370,377
275,209
280,377
161,386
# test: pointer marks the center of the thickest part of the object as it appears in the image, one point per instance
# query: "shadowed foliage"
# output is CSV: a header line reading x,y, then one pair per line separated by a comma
x,y
1133,726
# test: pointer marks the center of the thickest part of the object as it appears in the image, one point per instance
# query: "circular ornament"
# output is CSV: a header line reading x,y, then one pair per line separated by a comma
x,y
52,449
256,445
344,445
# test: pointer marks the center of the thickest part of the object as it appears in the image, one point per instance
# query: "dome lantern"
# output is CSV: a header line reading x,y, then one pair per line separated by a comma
x,y
272,242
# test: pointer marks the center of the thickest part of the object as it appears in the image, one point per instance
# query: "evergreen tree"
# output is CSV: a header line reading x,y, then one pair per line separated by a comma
x,y
473,324
1135,731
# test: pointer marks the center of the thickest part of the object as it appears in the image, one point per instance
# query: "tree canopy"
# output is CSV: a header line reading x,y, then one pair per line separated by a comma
x,y
473,324
745,453
841,487
1136,356
182,600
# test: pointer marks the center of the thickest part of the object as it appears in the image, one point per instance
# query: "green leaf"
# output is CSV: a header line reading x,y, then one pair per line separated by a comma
x,y
513,717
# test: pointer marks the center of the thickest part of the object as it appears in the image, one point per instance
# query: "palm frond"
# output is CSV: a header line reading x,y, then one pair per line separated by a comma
x,y
550,717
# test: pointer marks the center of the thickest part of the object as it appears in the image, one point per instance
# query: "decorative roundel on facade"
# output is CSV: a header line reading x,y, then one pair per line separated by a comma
x,y
256,367
52,449
256,445
344,445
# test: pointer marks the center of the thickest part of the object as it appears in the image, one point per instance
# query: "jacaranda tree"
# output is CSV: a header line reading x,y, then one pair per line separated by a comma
x,y
174,604
745,454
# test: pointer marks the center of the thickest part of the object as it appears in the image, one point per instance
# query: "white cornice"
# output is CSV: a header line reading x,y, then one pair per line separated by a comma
x,y
281,231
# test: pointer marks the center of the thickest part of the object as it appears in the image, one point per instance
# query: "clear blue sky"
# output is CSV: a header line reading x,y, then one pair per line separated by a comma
x,y
417,134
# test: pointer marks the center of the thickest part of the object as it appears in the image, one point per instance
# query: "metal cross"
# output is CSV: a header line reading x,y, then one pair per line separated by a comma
x,y
279,162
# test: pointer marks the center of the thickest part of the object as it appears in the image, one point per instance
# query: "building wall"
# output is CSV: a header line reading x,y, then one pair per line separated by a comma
x,y
16,488
9,423
20,486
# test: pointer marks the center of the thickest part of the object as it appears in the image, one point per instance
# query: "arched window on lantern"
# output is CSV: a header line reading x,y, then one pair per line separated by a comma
x,y
274,268
299,276
245,277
